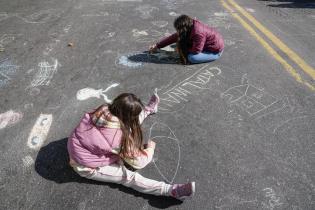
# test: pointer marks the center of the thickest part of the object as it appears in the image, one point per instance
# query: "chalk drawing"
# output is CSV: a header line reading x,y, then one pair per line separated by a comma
x,y
174,14
100,14
273,200
220,20
173,99
87,93
39,131
250,10
7,69
125,61
169,135
233,201
160,23
146,11
169,4
3,16
137,33
45,73
6,39
27,161
28,106
249,97
10,118
42,16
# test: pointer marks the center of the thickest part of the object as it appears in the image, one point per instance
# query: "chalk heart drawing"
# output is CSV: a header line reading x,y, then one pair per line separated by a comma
x,y
10,118
39,131
87,93
7,70
45,73
174,98
163,134
146,11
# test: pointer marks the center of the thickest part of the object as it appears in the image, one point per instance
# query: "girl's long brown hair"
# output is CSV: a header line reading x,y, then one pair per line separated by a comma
x,y
127,107
183,25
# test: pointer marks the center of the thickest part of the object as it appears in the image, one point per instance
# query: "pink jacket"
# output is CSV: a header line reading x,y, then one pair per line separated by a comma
x,y
92,146
203,38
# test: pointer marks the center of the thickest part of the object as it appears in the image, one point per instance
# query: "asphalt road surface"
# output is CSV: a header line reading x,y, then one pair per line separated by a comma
x,y
242,127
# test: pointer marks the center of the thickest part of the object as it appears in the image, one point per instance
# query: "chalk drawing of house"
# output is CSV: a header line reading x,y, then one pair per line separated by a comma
x,y
249,98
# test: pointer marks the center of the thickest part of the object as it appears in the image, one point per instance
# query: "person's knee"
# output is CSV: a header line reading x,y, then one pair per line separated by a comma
x,y
193,58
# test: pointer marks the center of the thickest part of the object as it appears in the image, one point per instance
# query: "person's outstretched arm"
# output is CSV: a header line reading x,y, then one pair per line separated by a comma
x,y
151,108
171,39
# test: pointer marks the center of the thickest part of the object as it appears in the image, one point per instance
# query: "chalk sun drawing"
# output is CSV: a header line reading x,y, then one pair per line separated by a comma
x,y
45,73
39,131
10,118
7,69
168,135
87,93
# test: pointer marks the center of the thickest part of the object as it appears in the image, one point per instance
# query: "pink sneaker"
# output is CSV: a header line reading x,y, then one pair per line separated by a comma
x,y
153,103
182,191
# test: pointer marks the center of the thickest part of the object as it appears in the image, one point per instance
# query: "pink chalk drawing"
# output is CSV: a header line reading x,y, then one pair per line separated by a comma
x,y
10,118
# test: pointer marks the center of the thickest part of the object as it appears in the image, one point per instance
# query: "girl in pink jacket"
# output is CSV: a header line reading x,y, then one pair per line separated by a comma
x,y
108,142
196,41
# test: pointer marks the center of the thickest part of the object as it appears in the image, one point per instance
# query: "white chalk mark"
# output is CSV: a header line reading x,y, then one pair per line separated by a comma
x,y
160,23
173,14
27,161
287,121
87,93
42,16
39,131
137,33
45,73
221,14
10,118
146,11
250,10
171,136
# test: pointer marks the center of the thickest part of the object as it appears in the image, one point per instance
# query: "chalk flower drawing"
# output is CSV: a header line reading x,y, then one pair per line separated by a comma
x,y
161,132
172,98
87,93
39,131
45,73
7,69
10,118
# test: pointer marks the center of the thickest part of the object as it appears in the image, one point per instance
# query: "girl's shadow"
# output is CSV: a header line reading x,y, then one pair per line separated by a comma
x,y
52,163
158,57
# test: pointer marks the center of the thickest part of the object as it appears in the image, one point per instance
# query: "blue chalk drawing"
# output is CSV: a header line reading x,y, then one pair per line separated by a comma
x,y
124,60
7,69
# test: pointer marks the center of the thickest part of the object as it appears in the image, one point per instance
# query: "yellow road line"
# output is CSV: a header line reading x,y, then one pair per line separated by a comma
x,y
292,55
287,66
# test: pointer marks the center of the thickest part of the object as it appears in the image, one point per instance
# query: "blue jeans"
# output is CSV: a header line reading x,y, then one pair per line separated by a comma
x,y
203,57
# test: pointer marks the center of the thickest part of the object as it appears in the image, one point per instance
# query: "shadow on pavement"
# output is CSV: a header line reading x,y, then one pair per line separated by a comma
x,y
159,57
307,4
52,164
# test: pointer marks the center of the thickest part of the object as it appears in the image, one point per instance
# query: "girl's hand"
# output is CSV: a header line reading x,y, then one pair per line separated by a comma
x,y
153,48
151,144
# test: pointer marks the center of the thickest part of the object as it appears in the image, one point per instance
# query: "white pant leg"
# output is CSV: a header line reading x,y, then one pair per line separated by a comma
x,y
121,175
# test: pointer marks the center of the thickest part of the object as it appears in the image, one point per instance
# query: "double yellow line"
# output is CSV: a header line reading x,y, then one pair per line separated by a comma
x,y
231,6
